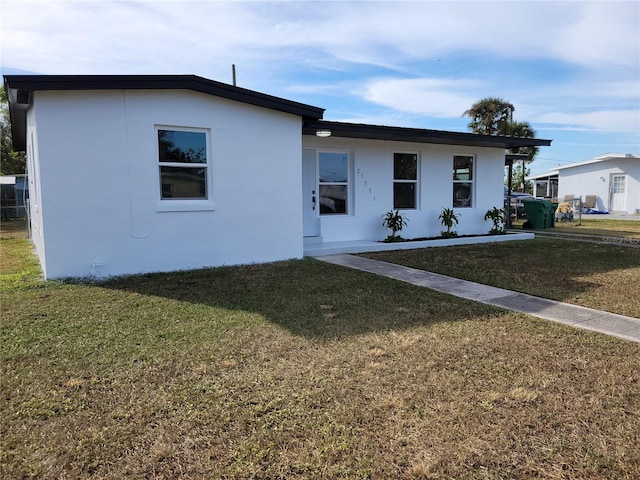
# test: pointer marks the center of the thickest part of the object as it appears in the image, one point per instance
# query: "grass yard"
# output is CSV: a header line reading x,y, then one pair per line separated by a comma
x,y
604,277
594,227
303,370
598,226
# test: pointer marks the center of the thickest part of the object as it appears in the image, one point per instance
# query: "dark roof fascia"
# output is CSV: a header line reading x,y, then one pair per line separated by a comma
x,y
161,82
418,135
19,89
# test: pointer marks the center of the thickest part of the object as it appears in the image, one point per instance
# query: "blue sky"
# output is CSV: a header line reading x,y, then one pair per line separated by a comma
x,y
571,69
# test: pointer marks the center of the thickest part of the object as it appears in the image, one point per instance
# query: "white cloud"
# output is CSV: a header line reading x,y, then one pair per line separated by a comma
x,y
621,121
397,61
604,33
426,96
93,36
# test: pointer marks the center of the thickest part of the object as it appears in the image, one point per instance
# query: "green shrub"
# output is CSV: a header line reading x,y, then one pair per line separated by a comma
x,y
448,218
498,218
395,222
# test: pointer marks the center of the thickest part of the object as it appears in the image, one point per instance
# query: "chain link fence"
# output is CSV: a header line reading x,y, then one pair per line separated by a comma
x,y
569,211
14,222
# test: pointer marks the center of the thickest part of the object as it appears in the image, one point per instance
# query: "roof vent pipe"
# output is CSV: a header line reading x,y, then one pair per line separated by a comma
x,y
233,72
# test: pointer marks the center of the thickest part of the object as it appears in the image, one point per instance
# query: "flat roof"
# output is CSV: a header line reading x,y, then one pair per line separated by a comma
x,y
418,135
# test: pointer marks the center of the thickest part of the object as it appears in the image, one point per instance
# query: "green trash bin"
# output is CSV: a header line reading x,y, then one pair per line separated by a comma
x,y
551,213
537,213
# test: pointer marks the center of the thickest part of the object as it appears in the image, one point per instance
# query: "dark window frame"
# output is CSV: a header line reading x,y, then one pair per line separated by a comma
x,y
402,178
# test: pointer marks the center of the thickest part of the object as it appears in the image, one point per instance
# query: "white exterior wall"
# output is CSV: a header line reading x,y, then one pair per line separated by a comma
x,y
595,179
35,191
371,188
99,210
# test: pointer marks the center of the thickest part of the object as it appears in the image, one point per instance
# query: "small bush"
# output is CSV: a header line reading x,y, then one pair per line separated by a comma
x,y
395,222
498,218
448,218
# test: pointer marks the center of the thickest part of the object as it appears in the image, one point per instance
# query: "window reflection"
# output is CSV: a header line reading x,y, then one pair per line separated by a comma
x,y
182,147
462,168
405,175
182,158
405,166
333,199
462,194
334,167
178,182
463,181
404,195
334,182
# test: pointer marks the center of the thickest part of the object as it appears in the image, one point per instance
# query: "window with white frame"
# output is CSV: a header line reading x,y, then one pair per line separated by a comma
x,y
463,181
405,180
183,164
333,182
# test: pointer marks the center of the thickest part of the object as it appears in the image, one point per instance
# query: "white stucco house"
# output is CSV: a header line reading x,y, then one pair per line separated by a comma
x,y
611,180
144,173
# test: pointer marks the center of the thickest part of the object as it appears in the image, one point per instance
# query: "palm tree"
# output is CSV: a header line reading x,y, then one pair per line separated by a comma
x,y
494,116
490,116
523,130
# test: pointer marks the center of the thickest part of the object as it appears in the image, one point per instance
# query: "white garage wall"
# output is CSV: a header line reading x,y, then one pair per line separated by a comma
x,y
100,183
372,188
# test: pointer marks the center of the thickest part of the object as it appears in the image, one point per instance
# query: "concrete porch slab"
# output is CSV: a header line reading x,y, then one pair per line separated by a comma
x,y
315,247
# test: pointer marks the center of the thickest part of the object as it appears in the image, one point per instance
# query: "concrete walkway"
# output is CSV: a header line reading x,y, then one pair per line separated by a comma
x,y
573,315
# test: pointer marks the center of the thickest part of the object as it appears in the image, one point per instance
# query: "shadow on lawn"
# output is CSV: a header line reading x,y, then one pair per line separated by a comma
x,y
550,268
308,298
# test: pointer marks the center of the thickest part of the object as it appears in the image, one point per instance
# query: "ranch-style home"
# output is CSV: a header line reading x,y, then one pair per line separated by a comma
x,y
607,183
146,173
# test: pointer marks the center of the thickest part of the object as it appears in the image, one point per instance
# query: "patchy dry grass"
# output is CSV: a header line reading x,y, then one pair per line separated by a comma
x,y
604,277
303,370
602,227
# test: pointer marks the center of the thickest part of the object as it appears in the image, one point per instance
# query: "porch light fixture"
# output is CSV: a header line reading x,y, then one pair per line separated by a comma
x,y
323,133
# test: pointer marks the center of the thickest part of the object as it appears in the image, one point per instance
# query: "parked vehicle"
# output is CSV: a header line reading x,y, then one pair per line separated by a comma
x,y
514,202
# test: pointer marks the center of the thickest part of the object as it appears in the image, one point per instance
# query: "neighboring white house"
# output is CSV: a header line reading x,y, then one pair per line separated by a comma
x,y
14,195
545,185
131,174
614,180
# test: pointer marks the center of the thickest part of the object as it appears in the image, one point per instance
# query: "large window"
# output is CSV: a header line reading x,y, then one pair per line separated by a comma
x,y
182,156
405,180
334,183
462,181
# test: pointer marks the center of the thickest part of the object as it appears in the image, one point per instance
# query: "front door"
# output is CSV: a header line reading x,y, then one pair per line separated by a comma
x,y
310,204
618,193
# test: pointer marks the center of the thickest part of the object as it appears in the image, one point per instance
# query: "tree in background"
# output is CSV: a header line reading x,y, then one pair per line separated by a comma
x,y
490,116
520,172
11,162
494,116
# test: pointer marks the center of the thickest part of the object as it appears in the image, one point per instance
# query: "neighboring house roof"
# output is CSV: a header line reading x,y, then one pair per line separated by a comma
x,y
552,173
601,158
418,135
19,89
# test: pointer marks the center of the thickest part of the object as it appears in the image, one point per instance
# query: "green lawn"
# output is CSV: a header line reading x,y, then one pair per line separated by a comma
x,y
604,277
303,370
594,227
